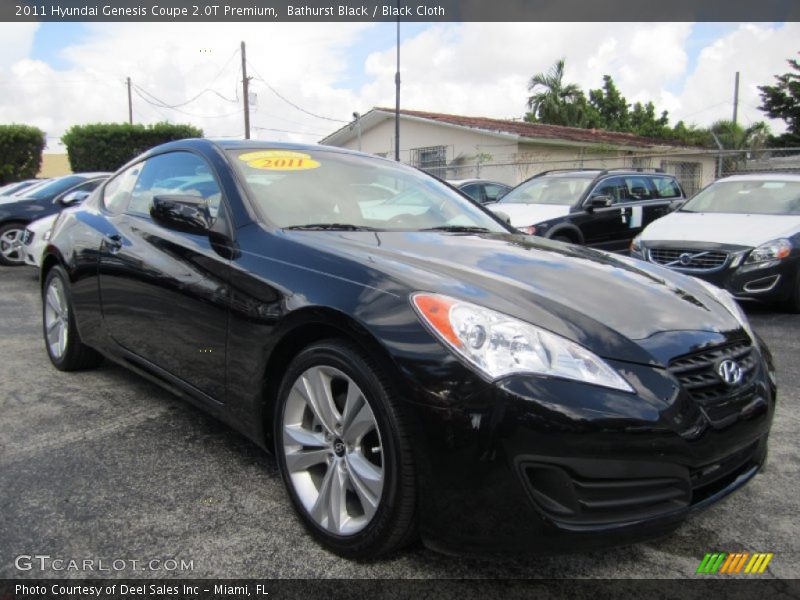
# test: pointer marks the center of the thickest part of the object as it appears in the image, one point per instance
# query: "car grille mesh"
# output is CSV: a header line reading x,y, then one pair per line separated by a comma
x,y
698,373
700,260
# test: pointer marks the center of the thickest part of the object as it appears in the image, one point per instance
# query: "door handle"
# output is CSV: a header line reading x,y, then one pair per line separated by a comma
x,y
113,242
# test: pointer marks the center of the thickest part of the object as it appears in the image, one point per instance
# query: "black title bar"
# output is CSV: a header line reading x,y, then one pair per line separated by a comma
x,y
288,11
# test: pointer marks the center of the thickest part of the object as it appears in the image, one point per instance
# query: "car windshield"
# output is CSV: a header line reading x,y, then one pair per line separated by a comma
x,y
548,190
53,188
768,197
319,189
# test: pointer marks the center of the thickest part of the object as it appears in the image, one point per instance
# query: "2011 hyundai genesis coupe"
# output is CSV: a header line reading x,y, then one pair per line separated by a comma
x,y
419,367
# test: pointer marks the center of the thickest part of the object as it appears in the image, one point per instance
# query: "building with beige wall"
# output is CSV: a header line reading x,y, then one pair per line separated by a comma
x,y
54,165
459,147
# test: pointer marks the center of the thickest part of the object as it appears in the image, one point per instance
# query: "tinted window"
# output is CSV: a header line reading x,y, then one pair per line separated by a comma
x,y
473,190
118,190
760,197
294,188
492,191
54,188
548,190
174,174
614,187
639,188
667,188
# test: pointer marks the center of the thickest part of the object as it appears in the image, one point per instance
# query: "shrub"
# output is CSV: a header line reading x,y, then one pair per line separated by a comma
x,y
20,152
108,146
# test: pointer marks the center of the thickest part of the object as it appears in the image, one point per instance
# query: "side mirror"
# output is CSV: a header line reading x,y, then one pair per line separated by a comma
x,y
189,214
502,216
599,202
72,198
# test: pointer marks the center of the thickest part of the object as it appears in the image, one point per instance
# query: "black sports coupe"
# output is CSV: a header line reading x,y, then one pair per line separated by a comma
x,y
419,367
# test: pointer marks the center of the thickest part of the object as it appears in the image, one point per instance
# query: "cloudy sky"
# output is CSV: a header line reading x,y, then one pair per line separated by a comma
x,y
53,75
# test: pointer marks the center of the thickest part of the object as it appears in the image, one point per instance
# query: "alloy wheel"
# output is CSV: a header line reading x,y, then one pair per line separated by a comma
x,y
56,318
333,451
11,246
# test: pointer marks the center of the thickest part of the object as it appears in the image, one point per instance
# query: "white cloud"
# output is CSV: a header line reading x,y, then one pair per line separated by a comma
x,y
467,68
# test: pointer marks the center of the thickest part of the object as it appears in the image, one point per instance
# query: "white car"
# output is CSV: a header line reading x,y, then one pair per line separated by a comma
x,y
35,238
741,233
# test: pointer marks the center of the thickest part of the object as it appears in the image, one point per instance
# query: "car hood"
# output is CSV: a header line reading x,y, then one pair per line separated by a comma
x,y
614,305
523,215
722,228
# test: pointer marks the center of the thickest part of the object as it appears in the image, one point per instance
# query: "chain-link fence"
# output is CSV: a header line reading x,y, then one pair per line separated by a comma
x,y
694,169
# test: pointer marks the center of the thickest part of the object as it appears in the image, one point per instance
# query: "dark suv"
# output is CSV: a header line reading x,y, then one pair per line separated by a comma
x,y
601,208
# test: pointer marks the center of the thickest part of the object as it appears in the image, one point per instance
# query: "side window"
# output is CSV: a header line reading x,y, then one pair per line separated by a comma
x,y
667,188
493,192
174,174
614,187
473,190
117,192
639,188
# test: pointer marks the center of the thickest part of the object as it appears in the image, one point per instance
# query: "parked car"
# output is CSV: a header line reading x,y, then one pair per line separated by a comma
x,y
604,209
430,372
481,190
13,188
35,239
741,233
41,201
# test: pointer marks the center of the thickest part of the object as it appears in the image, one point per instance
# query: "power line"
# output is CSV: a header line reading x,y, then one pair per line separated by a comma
x,y
289,102
142,93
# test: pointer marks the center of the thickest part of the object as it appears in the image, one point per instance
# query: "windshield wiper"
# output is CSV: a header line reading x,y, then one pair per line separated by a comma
x,y
331,227
458,229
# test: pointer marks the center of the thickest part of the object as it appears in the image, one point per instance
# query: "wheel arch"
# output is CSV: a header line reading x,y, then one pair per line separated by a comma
x,y
567,230
302,328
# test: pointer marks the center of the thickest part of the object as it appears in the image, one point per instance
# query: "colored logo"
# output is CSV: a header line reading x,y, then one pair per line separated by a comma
x,y
279,160
730,372
734,563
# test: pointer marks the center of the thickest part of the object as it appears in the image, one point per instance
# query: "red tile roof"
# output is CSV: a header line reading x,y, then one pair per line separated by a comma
x,y
535,130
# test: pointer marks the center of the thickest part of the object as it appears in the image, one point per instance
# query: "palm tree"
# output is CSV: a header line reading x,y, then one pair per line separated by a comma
x,y
732,136
555,103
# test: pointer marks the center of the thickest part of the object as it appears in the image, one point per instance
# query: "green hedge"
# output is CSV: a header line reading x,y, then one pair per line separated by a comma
x,y
20,152
108,146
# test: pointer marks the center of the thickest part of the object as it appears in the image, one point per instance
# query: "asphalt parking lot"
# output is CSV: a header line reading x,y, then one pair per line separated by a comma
x,y
103,464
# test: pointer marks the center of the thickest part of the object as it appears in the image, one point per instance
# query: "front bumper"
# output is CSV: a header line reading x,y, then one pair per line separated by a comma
x,y
531,464
772,281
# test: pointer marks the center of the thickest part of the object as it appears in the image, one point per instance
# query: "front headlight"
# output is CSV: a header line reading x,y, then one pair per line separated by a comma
x,y
730,304
636,244
774,250
499,345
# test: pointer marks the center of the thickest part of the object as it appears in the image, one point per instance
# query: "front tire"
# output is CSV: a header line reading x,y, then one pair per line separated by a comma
x,y
344,453
12,252
61,339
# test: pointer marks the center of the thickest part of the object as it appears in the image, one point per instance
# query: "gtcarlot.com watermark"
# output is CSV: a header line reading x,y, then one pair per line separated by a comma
x,y
58,564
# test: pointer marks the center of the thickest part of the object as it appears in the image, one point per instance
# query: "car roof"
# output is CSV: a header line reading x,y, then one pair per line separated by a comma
x,y
763,177
458,182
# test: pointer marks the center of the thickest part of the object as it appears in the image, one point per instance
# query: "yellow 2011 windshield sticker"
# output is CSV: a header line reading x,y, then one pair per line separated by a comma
x,y
279,160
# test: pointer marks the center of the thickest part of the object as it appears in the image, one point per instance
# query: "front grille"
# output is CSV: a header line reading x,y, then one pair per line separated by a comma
x,y
698,372
697,260
720,402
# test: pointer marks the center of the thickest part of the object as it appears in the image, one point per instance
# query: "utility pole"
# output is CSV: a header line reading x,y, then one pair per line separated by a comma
x,y
397,93
245,94
736,98
130,103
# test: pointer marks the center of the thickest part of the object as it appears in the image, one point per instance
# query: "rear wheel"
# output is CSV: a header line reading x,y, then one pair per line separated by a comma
x,y
343,452
12,250
64,346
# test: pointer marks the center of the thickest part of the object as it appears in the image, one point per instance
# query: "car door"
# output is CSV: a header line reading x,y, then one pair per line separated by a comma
x,y
603,226
164,292
669,191
639,203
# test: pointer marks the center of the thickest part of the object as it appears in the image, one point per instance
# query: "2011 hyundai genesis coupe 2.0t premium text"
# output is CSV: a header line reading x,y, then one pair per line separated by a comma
x,y
418,367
